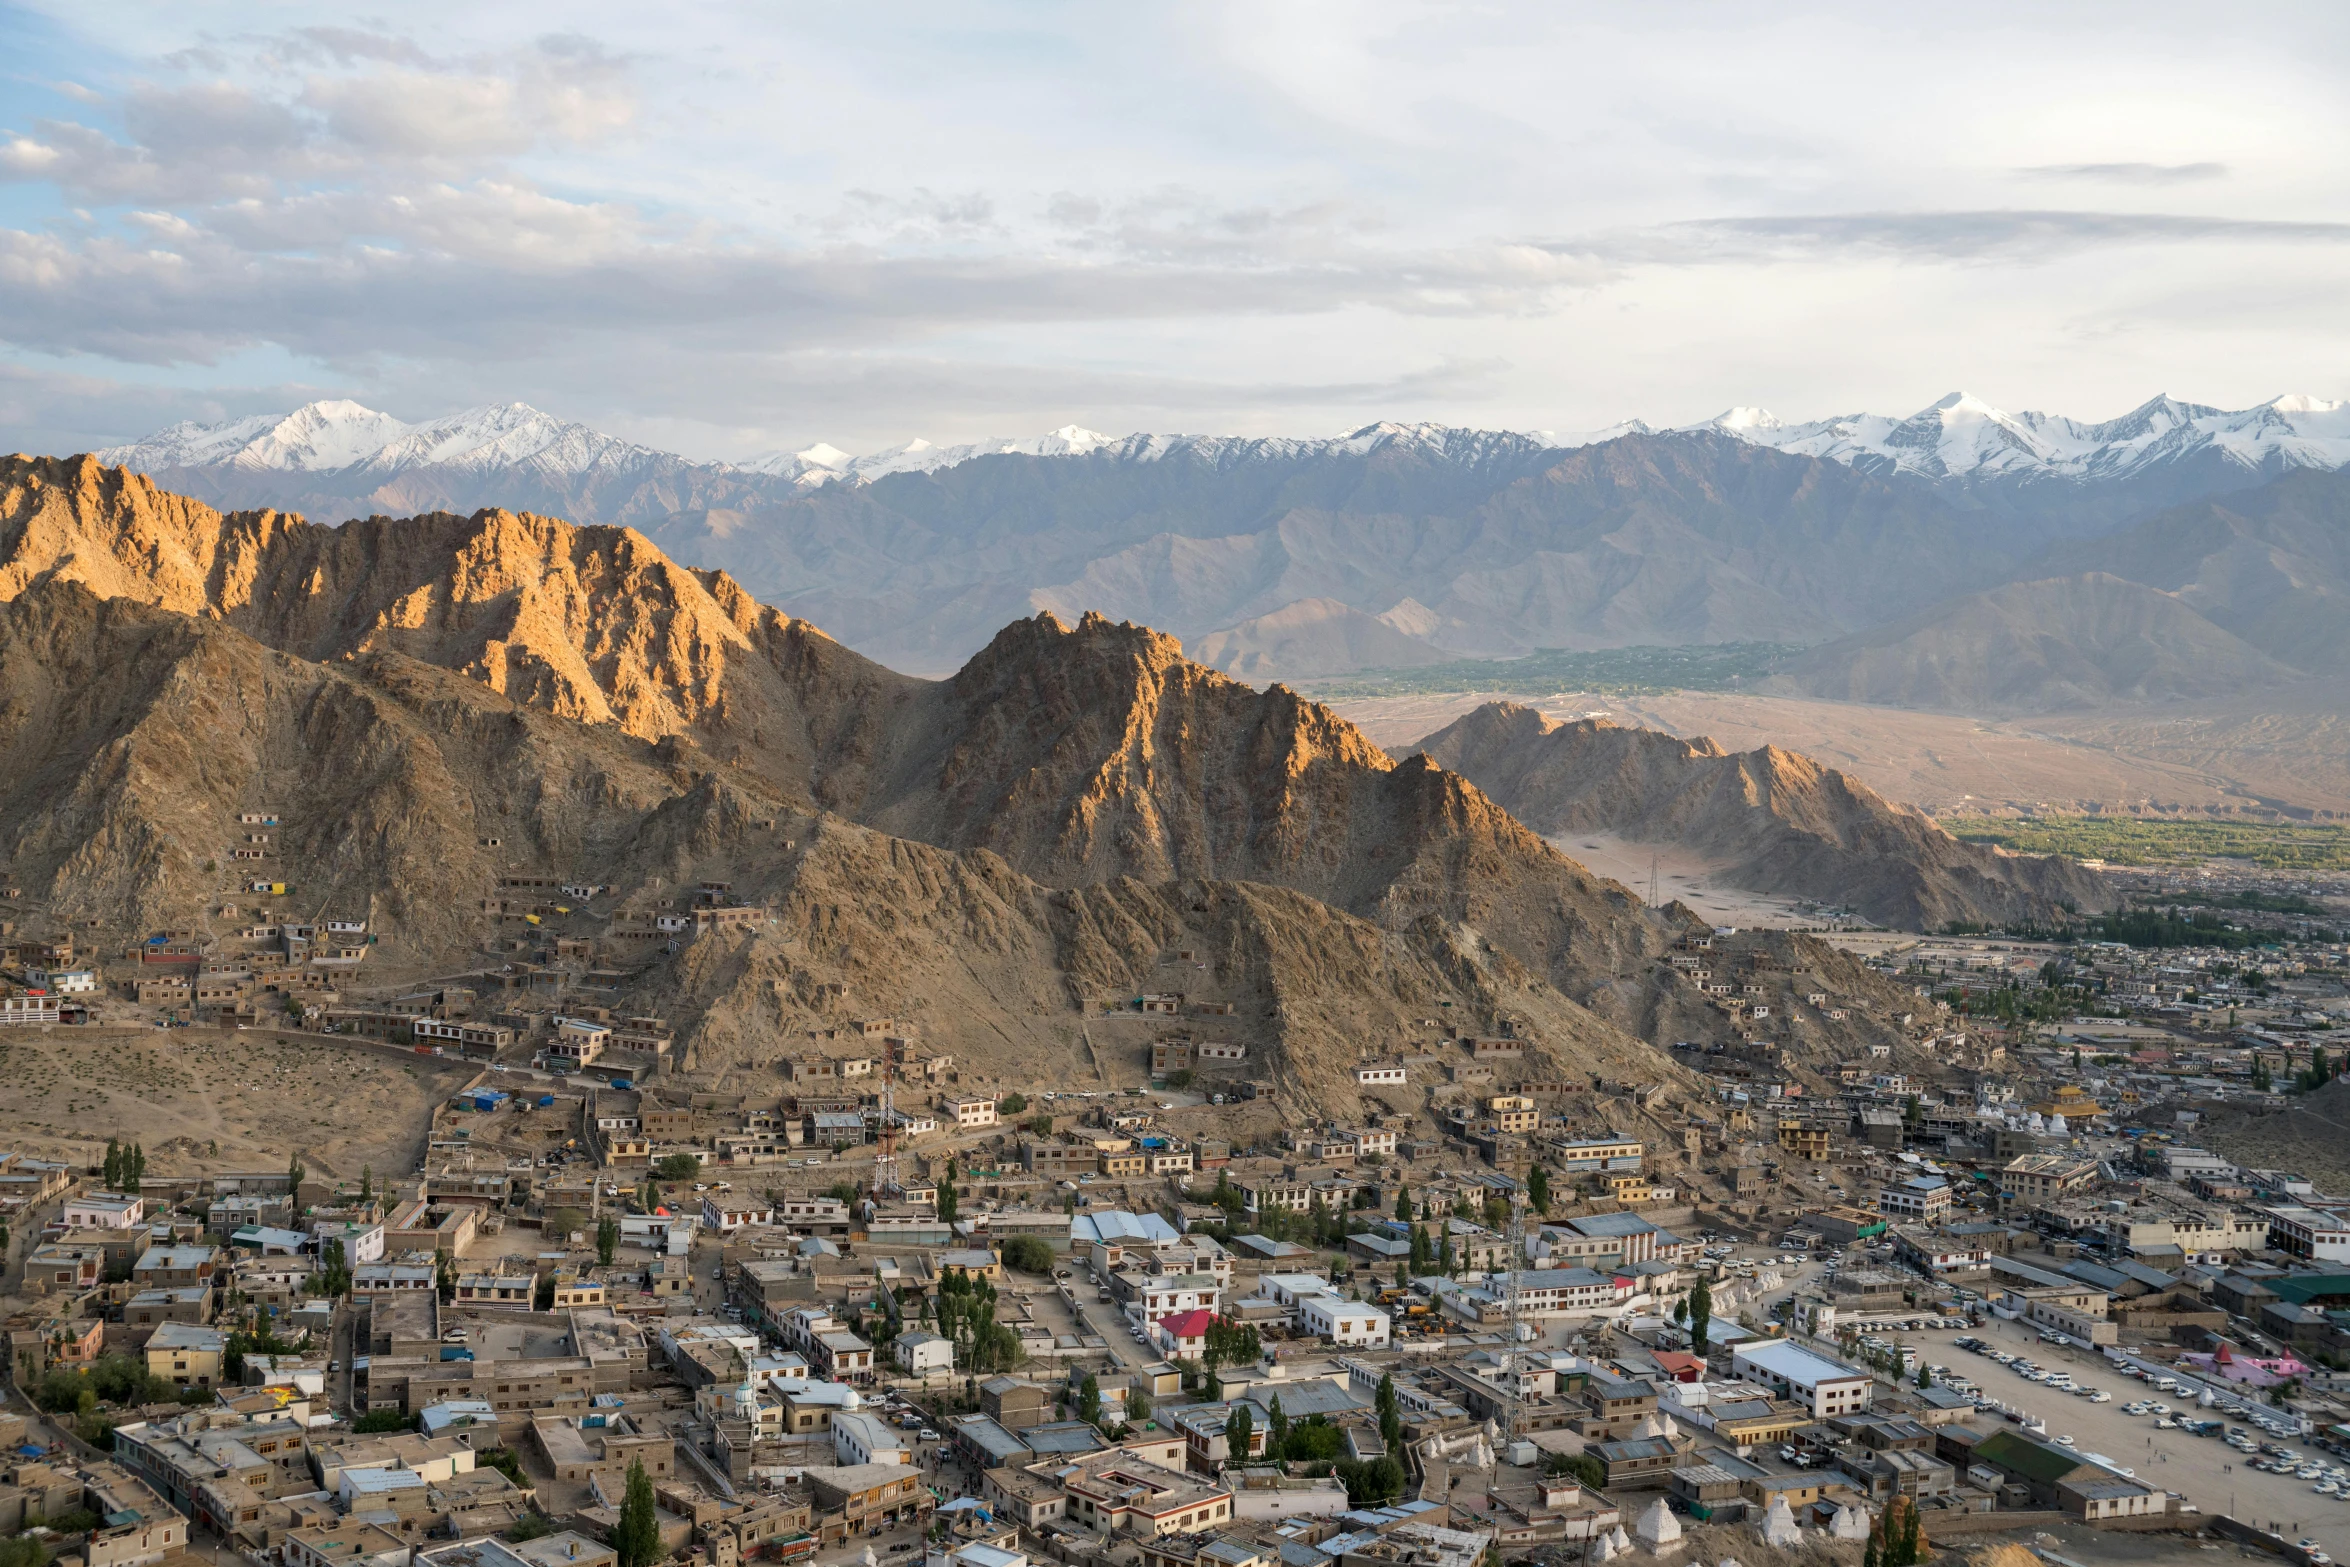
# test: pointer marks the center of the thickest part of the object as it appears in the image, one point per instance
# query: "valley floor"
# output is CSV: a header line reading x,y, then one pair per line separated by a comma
x,y
2291,748
1680,873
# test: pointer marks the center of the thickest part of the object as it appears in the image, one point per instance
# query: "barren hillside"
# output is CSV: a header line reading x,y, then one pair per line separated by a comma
x,y
1786,825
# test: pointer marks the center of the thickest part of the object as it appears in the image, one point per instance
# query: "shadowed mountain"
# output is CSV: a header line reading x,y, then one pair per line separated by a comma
x,y
1781,823
2062,642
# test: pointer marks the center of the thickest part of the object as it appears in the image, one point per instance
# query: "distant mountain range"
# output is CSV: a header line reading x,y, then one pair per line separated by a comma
x,y
1887,541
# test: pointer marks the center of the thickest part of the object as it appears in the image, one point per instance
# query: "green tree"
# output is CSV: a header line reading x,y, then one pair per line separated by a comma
x,y
138,1170
1390,1410
607,1239
444,1275
1180,1078
530,1526
295,1176
112,1175
1239,1432
947,1200
1444,1263
1276,1430
1029,1254
367,1183
1138,1404
1403,1201
1925,1378
1373,1483
1701,1314
1012,1104
1538,1189
680,1167
377,1420
1089,1400
637,1537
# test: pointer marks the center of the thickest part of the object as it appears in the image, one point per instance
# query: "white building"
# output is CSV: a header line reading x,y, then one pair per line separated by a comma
x,y
1824,1387
921,1352
969,1112
1923,1199
1392,1076
862,1438
1353,1323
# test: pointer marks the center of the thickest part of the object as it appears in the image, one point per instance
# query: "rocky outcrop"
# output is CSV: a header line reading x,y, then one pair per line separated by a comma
x,y
1783,823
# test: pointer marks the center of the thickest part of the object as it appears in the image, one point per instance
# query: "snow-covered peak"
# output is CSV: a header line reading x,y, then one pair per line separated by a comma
x,y
335,435
1739,421
1963,438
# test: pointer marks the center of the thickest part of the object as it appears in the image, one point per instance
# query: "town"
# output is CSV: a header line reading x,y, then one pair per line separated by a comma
x,y
1986,1276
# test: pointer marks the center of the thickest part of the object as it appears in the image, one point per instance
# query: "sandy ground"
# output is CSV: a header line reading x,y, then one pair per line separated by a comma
x,y
2293,750
1678,873
208,1099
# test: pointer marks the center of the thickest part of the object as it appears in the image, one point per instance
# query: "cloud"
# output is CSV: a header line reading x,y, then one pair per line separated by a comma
x,y
1941,236
2128,173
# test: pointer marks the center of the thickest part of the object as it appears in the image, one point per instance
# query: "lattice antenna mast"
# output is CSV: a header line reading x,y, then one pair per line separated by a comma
x,y
1513,1402
885,1160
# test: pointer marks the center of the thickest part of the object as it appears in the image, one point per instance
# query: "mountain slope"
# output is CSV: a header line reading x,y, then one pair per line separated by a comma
x,y
1786,825
2270,565
592,623
2058,643
2073,477
1311,637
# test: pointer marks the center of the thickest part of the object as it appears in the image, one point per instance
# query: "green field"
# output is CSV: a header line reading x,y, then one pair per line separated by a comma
x,y
1723,666
2126,840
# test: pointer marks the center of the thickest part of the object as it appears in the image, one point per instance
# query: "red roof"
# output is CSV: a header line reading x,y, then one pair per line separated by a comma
x,y
1188,1324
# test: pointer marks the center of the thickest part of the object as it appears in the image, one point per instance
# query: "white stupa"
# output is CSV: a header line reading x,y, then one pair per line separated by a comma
x,y
1603,1549
1621,1540
1658,1529
1850,1523
1779,1526
2057,1127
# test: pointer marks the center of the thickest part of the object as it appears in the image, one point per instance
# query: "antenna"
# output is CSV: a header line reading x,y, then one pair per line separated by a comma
x,y
1513,1413
885,1159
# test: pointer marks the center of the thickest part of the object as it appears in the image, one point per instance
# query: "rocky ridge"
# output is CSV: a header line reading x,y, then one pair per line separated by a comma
x,y
1784,823
431,701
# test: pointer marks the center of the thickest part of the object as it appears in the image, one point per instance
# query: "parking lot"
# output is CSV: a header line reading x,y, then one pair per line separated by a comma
x,y
2203,1470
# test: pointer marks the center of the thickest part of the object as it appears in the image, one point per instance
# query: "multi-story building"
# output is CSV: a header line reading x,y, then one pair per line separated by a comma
x,y
1824,1387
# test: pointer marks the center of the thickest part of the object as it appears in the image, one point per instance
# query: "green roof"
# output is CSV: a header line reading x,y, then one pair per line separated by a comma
x,y
2021,1455
2302,1288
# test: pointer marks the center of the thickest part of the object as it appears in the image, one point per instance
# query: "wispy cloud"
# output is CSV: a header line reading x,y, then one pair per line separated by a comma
x,y
2128,173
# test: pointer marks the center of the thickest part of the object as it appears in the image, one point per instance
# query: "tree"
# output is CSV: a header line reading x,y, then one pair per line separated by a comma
x,y
1138,1404
367,1183
638,1535
607,1239
1403,1201
1390,1412
1012,1104
113,1166
680,1167
1028,1254
1239,1431
379,1420
1089,1400
1181,1078
1444,1262
138,1171
1538,1189
1373,1483
295,1176
1419,1250
1276,1430
947,1199
1925,1378
444,1275
1701,1314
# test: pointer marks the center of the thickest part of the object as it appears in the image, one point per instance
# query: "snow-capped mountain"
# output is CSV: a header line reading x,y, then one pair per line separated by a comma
x,y
339,436
1962,438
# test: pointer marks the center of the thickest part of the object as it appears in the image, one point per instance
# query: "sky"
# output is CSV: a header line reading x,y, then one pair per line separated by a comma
x,y
731,229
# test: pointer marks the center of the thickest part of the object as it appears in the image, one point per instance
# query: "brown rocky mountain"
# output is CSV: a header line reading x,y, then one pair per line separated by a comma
x,y
1316,636
2047,645
433,701
1780,822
